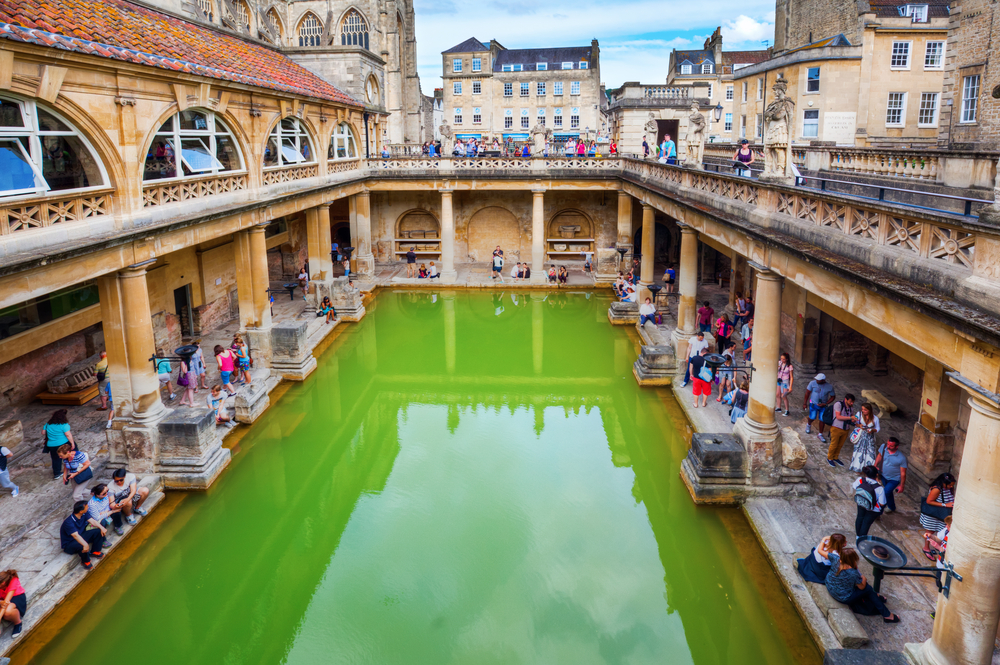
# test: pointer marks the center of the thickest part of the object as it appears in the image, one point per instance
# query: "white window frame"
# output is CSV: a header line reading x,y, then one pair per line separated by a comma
x,y
477,87
557,118
805,124
745,86
525,88
927,53
477,64
760,89
457,116
567,65
759,131
557,87
508,118
685,70
541,66
574,118
893,55
819,74
456,65
508,89
540,88
574,88
706,68
935,108
477,115
730,93
33,156
710,97
540,116
178,136
342,138
970,102
743,125
919,13
729,122
584,64
456,88
901,109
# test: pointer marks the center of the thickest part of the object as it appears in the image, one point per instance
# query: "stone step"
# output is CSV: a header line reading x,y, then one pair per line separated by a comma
x,y
62,572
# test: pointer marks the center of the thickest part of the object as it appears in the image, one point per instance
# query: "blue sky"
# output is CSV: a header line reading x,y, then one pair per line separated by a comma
x,y
636,36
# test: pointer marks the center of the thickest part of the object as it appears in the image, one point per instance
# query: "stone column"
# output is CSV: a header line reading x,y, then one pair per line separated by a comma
x,y
366,260
319,242
933,441
259,333
140,346
448,272
624,219
538,236
758,430
244,278
648,238
688,287
965,623
823,363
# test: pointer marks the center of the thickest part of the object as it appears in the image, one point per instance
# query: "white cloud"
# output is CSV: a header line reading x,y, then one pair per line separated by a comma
x,y
748,32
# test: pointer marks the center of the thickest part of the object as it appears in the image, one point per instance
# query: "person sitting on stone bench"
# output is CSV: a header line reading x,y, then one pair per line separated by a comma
x,y
326,309
647,312
216,402
99,509
847,585
13,600
76,538
127,495
816,566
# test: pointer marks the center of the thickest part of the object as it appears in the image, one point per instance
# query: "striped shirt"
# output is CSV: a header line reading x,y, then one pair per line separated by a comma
x,y
79,459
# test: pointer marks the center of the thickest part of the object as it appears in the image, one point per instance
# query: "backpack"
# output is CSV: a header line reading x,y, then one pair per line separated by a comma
x,y
827,416
864,495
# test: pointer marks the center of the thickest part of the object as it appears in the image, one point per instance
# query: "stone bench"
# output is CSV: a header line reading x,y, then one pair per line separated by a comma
x,y
885,406
623,313
842,621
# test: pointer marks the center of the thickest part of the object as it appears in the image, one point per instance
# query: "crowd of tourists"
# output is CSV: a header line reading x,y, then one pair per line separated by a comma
x,y
96,508
473,147
880,467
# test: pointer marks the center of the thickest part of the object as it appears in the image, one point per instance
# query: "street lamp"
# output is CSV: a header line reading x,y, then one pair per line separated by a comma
x,y
717,111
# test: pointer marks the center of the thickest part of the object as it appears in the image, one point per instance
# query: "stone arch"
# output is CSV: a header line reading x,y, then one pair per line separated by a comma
x,y
492,226
272,17
353,29
243,15
251,157
570,217
417,221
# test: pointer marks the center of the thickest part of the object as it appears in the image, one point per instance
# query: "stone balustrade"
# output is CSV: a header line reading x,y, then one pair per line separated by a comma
x,y
40,212
156,193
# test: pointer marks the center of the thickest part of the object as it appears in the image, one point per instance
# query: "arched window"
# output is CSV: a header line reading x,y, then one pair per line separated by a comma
x,y
354,30
242,14
342,145
288,144
206,7
41,152
275,22
310,31
203,142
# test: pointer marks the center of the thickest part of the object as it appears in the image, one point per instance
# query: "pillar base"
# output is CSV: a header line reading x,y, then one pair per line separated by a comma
x,y
680,340
656,366
259,341
347,301
623,313
714,469
191,455
157,410
923,653
292,358
251,401
366,265
449,276
538,277
762,443
295,371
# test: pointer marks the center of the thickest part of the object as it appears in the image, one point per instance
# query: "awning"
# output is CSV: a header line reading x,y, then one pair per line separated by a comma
x,y
466,137
566,135
517,137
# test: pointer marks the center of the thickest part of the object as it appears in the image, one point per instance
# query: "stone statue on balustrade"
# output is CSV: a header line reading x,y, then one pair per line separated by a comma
x,y
695,138
539,135
447,140
778,118
652,131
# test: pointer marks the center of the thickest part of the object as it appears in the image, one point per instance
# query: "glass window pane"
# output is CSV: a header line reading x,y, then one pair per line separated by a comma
x,y
16,173
160,160
305,148
271,153
194,121
49,123
289,153
351,150
68,164
288,125
196,156
227,154
10,114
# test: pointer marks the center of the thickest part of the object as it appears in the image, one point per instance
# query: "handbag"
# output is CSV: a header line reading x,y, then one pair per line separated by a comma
x,y
83,476
705,374
182,379
937,512
856,435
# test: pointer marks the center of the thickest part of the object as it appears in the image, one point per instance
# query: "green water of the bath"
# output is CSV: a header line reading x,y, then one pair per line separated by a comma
x,y
466,478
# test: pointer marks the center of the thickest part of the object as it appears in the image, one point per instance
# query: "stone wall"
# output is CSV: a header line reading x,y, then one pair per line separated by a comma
x,y
800,22
848,348
166,331
22,379
213,314
974,29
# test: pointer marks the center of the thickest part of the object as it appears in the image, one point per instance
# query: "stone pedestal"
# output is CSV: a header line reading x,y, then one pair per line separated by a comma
x,y
878,360
319,289
762,443
291,357
714,469
681,340
930,453
347,300
259,341
656,366
191,455
623,313
251,401
606,265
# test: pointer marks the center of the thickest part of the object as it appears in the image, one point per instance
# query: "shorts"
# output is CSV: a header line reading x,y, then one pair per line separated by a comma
x,y
102,385
225,377
814,411
164,378
783,385
20,601
244,364
701,387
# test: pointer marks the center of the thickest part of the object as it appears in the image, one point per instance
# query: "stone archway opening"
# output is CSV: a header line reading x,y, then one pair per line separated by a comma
x,y
494,226
420,231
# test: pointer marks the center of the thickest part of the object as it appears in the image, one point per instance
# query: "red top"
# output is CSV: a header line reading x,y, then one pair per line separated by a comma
x,y
14,584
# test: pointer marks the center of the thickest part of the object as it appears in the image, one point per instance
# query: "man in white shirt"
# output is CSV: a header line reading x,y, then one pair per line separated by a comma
x,y
646,312
694,349
126,495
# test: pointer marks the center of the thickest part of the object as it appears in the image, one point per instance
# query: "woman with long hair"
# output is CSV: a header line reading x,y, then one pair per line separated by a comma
x,y
55,433
939,502
847,585
242,358
815,566
866,426
227,365
786,376
740,401
13,600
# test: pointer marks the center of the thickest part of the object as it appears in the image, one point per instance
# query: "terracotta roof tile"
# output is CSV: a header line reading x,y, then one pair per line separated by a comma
x,y
744,57
120,30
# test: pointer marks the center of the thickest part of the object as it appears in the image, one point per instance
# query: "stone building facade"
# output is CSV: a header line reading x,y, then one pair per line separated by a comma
x,y
970,116
368,48
877,82
493,92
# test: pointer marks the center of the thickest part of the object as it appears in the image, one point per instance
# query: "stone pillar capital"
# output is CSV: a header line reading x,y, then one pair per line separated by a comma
x,y
257,228
768,275
685,229
136,269
646,206
538,192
